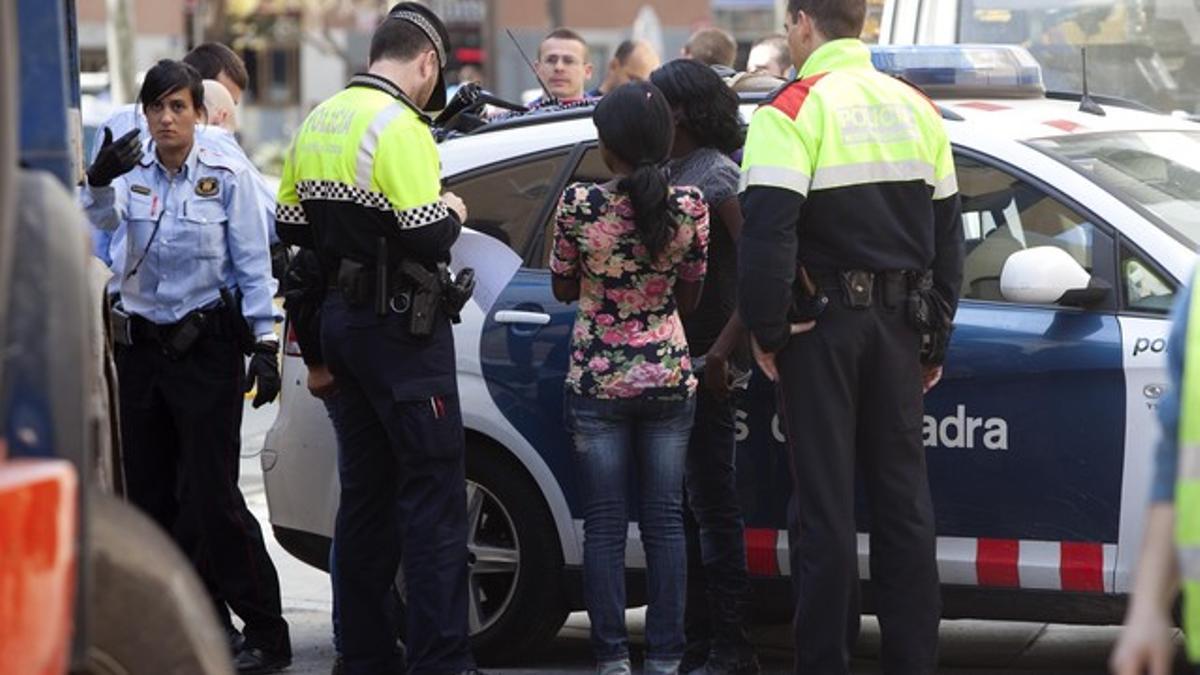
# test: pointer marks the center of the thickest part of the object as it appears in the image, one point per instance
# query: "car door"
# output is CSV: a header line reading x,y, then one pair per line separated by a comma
x,y
1025,435
526,333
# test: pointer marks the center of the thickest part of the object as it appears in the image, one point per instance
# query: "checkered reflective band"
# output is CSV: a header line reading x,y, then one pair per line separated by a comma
x,y
333,191
293,215
422,215
427,28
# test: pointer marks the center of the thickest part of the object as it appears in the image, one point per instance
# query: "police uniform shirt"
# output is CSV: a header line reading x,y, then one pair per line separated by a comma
x,y
844,169
109,246
188,236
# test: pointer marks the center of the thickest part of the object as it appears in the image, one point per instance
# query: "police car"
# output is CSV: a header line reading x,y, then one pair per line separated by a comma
x,y
1079,228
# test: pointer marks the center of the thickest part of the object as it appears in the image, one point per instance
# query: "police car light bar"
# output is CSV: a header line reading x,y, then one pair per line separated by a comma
x,y
964,71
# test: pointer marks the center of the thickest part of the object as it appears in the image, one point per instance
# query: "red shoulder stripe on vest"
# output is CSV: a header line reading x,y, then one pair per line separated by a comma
x,y
791,98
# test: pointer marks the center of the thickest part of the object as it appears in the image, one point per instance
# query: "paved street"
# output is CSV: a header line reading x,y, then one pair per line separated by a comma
x,y
966,646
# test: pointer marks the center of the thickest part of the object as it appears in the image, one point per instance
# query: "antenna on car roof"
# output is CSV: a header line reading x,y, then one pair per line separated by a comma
x,y
532,68
1086,103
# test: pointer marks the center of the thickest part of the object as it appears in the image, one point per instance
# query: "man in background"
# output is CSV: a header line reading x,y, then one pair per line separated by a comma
x,y
564,66
770,56
633,60
712,47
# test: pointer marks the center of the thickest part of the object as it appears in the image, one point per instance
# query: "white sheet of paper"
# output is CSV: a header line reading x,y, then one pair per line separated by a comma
x,y
495,265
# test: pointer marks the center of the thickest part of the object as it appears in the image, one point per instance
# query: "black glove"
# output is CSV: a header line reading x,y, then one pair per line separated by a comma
x,y
281,257
115,158
264,367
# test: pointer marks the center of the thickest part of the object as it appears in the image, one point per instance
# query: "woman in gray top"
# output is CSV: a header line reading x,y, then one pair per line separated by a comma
x,y
708,129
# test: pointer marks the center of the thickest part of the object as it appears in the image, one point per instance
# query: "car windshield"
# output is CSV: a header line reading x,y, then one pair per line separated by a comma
x,y
1144,50
1158,171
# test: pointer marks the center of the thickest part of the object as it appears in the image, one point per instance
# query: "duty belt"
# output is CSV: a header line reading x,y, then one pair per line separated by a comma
x,y
211,321
860,288
358,285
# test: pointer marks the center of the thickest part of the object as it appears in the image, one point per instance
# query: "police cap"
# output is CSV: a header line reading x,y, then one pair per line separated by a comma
x,y
423,18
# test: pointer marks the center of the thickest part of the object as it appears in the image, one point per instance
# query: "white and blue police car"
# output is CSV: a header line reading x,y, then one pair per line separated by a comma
x,y
1079,227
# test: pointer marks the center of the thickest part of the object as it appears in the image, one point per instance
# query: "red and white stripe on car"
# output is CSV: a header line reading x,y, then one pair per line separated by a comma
x,y
967,561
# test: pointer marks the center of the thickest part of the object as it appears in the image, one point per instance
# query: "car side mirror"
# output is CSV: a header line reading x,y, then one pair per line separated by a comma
x,y
1048,275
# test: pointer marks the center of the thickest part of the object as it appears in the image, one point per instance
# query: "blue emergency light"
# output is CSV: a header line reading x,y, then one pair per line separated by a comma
x,y
964,71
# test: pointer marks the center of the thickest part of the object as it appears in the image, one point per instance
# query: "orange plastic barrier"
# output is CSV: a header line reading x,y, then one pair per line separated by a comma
x,y
37,565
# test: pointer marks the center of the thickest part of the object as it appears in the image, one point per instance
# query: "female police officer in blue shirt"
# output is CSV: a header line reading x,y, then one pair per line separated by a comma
x,y
196,241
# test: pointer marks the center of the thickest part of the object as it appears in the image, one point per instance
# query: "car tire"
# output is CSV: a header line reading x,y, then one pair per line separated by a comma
x,y
515,588
147,613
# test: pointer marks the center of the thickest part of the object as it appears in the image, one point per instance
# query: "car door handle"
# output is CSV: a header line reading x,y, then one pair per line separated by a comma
x,y
511,316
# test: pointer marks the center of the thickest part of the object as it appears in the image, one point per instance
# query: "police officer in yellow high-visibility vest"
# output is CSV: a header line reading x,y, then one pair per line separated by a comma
x,y
361,186
850,264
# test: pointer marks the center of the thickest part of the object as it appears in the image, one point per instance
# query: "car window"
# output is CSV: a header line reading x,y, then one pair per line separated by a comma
x,y
504,201
1144,288
1003,214
591,169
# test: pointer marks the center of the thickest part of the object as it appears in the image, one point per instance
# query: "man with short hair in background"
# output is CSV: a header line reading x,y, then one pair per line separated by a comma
x,y
633,60
564,66
712,47
770,56
221,111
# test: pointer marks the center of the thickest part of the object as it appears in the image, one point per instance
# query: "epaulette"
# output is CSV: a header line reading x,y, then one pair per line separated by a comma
x,y
216,160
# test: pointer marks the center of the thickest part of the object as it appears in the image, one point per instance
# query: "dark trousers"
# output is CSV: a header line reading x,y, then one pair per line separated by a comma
x,y
181,435
718,584
851,390
403,499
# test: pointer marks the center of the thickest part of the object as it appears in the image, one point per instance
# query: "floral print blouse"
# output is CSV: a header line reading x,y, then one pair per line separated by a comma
x,y
628,340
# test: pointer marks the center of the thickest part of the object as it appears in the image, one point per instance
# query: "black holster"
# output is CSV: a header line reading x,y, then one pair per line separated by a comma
x,y
426,297
435,292
931,316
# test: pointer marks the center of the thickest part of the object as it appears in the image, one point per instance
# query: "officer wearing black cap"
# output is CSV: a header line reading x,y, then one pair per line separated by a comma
x,y
361,187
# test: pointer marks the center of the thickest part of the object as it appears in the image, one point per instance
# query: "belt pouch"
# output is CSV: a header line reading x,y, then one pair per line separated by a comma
x,y
184,336
353,282
857,288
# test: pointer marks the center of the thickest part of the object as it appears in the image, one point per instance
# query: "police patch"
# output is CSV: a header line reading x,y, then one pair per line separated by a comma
x,y
140,189
207,187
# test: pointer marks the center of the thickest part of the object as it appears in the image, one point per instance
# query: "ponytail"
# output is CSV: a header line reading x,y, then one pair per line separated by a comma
x,y
634,123
648,190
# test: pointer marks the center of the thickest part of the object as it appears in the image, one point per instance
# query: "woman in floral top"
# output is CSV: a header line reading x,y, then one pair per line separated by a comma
x,y
632,252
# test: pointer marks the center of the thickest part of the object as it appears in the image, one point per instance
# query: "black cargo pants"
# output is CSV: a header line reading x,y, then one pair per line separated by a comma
x,y
851,394
181,424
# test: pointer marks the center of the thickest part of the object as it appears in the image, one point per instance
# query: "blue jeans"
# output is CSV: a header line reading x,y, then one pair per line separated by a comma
x,y
611,436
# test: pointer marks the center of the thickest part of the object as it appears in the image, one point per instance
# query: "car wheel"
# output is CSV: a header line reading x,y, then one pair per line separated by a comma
x,y
515,604
147,613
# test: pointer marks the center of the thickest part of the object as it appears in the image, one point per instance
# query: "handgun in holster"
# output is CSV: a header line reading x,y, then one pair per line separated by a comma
x,y
426,298
930,315
808,300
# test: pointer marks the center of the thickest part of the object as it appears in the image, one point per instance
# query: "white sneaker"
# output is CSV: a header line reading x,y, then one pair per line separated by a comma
x,y
658,667
619,667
